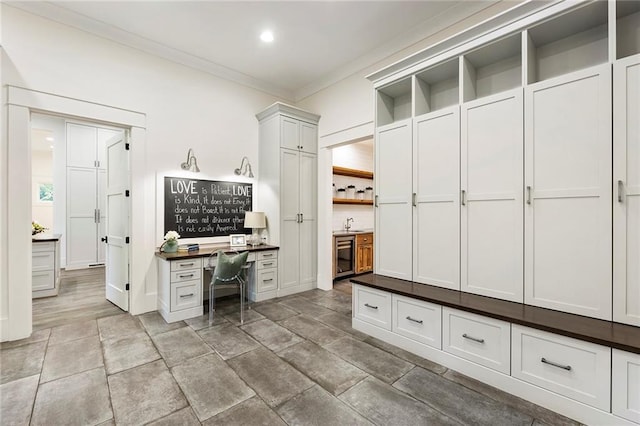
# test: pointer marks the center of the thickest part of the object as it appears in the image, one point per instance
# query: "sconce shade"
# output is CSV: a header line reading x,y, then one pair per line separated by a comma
x,y
255,220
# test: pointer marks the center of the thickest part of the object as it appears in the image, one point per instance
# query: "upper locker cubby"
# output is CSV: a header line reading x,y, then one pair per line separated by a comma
x,y
437,88
492,69
627,28
393,102
569,42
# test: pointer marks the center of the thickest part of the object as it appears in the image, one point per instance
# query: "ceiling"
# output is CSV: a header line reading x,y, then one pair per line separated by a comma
x,y
317,43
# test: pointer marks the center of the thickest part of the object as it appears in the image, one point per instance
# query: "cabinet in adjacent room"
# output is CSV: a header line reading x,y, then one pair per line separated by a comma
x,y
86,197
364,253
287,192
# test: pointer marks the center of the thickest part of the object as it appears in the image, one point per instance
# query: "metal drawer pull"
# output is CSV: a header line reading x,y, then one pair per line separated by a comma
x,y
370,306
475,339
564,367
186,276
267,280
187,264
267,255
187,295
415,320
268,264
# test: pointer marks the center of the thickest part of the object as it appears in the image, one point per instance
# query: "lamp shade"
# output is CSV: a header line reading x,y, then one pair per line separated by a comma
x,y
255,220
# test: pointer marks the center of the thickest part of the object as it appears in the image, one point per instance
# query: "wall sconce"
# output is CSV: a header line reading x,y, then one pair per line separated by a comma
x,y
191,164
244,170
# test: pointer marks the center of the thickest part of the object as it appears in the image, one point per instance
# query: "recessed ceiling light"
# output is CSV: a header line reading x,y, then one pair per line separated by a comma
x,y
49,138
266,36
51,146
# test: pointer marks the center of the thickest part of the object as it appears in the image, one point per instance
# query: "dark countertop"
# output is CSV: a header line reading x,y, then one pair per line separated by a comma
x,y
206,251
348,233
43,237
607,333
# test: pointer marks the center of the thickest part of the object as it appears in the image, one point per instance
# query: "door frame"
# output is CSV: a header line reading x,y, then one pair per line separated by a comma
x,y
15,257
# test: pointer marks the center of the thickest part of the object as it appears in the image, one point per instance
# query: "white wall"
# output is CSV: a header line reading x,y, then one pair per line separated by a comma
x,y
183,107
41,172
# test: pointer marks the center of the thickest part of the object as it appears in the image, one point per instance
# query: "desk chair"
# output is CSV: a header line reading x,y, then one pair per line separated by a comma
x,y
230,272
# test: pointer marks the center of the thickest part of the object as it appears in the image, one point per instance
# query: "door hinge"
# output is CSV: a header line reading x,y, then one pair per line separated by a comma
x,y
126,193
126,286
126,240
126,146
104,239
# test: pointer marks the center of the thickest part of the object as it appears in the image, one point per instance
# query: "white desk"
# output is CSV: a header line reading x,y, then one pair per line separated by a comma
x,y
180,279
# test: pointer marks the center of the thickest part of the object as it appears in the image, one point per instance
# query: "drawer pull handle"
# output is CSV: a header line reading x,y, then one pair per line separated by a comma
x,y
187,264
370,306
475,339
267,255
415,320
564,367
267,280
186,295
186,276
268,264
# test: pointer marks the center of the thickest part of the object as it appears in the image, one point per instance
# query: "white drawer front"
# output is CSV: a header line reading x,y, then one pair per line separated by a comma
x,y
372,306
43,246
185,295
625,401
417,320
181,265
266,255
267,263
267,280
574,368
483,340
186,275
42,280
42,261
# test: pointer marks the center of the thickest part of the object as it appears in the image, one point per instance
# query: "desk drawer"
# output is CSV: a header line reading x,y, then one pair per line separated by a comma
x,y
418,320
266,255
181,265
43,246
267,280
267,263
574,368
485,341
372,306
42,260
186,275
185,295
626,385
42,280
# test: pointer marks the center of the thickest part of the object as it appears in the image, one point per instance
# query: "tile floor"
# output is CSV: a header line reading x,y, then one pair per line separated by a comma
x,y
295,361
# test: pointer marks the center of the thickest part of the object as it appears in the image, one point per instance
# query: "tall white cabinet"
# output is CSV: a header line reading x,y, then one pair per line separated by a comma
x,y
86,197
507,164
287,192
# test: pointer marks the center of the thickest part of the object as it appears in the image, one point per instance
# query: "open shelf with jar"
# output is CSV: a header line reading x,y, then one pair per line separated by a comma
x,y
346,199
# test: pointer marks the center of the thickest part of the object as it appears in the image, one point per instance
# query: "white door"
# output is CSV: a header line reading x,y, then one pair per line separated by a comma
x,y
117,223
81,145
393,215
568,219
436,183
81,231
308,137
626,201
491,191
308,223
289,133
289,255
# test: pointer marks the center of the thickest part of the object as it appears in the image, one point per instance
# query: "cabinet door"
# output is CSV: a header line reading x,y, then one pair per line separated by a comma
x,y
568,182
367,258
491,208
81,145
626,202
289,255
308,137
436,183
308,223
289,133
393,207
101,149
102,213
81,224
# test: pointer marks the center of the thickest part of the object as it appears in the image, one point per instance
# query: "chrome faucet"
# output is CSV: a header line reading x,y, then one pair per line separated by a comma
x,y
347,226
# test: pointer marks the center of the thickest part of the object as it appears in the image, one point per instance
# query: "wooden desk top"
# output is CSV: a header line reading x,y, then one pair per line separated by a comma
x,y
607,333
206,251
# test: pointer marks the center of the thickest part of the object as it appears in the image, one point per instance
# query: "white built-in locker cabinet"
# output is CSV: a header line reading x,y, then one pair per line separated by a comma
x,y
393,215
568,221
626,200
491,190
287,192
86,210
436,183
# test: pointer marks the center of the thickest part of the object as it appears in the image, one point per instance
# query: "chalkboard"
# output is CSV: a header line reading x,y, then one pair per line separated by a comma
x,y
205,208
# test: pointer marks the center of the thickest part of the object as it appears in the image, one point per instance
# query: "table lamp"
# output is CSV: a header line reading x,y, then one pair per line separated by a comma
x,y
255,220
